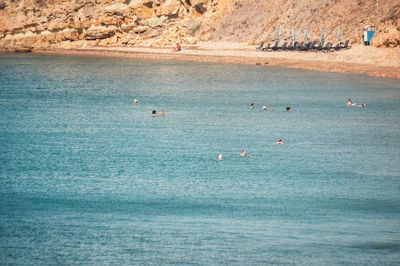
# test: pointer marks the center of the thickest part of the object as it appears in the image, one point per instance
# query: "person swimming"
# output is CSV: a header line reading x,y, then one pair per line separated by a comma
x,y
252,105
154,113
219,157
289,109
264,108
350,103
280,141
164,113
243,153
135,102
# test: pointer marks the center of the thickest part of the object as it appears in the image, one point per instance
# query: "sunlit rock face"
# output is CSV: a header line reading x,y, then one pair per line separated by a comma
x,y
163,23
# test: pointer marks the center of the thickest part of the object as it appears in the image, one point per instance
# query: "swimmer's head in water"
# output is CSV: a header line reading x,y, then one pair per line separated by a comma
x,y
288,108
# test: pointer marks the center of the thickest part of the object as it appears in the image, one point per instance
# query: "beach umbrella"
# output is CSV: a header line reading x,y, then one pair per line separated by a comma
x,y
305,35
322,36
277,33
293,35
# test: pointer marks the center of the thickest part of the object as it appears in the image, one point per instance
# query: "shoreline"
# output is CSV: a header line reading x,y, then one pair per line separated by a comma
x,y
243,56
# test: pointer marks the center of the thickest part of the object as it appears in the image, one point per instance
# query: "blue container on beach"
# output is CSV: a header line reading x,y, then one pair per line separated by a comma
x,y
368,34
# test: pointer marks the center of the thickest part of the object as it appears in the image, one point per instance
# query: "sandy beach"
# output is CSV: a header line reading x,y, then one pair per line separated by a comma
x,y
379,62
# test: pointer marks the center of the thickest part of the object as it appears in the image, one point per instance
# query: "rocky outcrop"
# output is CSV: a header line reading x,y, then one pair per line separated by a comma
x,y
163,23
39,23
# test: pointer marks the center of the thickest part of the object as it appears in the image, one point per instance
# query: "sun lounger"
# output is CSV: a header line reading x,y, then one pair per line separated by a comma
x,y
259,46
293,46
284,46
266,47
299,46
346,45
312,46
320,47
306,46
327,47
331,48
275,47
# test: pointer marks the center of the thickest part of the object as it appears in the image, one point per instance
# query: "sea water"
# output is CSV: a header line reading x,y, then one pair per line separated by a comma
x,y
86,177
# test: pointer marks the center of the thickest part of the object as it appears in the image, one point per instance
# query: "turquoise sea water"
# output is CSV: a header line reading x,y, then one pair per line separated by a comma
x,y
87,178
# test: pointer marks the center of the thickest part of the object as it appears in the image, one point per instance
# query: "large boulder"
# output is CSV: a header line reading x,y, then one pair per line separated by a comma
x,y
144,12
155,21
116,9
140,29
96,33
56,25
128,26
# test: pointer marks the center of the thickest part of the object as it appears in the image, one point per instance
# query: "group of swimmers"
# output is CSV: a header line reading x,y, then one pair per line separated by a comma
x,y
244,151
252,106
242,154
162,113
265,108
289,109
154,112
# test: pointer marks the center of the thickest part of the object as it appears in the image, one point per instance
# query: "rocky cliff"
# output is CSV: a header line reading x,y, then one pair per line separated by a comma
x,y
162,23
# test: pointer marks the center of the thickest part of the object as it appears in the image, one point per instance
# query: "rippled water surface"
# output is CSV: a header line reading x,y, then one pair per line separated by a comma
x,y
87,178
